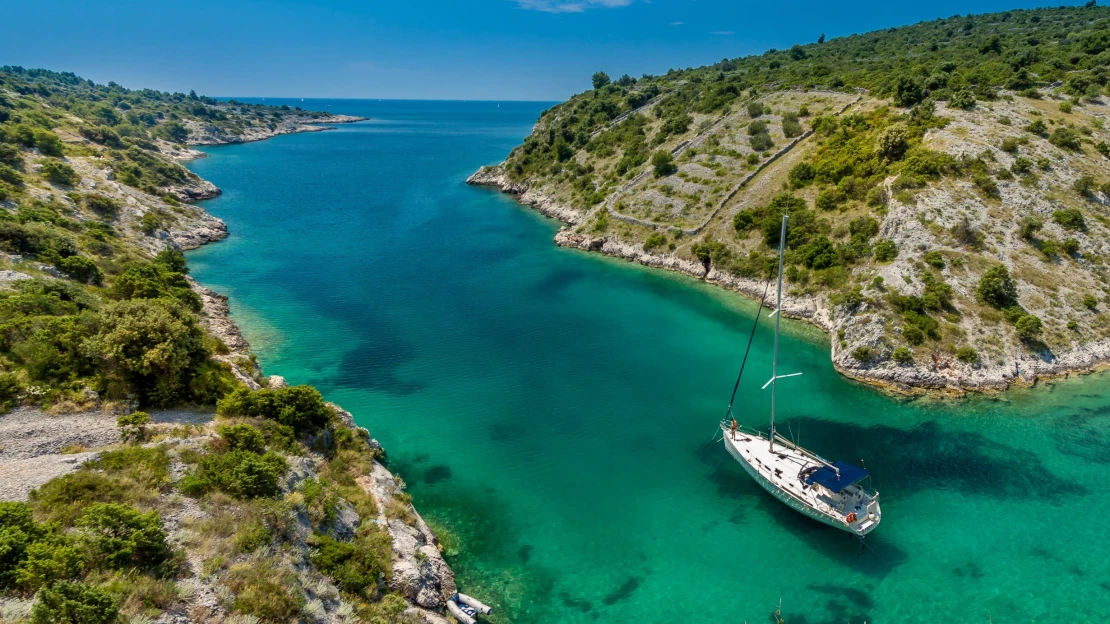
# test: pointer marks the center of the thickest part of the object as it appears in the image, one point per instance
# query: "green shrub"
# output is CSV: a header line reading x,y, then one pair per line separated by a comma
x,y
791,127
963,98
64,498
132,427
743,221
755,109
265,591
154,280
996,287
251,537
1066,138
82,269
1021,165
101,205
242,474
355,566
1070,219
1090,301
123,538
1029,226
885,250
1028,327
73,603
663,164
48,143
802,174
827,200
57,172
893,141
934,258
862,354
1037,126
243,437
902,355
54,558
913,334
299,407
1070,246
761,142
967,354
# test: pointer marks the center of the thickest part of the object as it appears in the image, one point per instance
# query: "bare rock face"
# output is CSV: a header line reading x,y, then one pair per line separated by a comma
x,y
419,572
277,381
194,190
205,229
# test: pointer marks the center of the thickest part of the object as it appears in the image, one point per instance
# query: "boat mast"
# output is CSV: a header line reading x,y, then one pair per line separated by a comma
x,y
778,315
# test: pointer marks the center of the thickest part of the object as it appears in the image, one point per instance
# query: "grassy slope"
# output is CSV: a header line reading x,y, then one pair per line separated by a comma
x,y
937,152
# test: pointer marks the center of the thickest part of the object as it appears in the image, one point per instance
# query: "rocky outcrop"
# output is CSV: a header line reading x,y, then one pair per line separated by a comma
x,y
419,572
197,232
495,176
193,190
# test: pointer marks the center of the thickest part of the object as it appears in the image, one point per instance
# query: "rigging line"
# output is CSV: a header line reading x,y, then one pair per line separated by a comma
x,y
744,362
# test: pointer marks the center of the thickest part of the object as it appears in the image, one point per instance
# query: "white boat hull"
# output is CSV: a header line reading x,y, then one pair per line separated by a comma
x,y
749,450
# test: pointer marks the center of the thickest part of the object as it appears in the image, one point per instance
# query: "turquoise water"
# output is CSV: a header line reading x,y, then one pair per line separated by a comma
x,y
556,408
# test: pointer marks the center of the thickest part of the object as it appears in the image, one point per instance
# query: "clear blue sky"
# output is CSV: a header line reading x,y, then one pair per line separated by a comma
x,y
476,49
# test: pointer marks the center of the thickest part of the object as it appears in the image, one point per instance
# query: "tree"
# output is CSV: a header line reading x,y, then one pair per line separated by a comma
x,y
821,39
600,79
663,163
147,346
797,52
997,288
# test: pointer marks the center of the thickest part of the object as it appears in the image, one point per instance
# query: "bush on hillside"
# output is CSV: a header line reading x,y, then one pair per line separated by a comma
x,y
74,603
997,288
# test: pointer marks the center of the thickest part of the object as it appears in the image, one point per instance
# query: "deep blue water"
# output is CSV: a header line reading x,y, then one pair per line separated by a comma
x,y
555,408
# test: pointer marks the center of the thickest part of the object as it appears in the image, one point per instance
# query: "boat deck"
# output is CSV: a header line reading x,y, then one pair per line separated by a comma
x,y
782,473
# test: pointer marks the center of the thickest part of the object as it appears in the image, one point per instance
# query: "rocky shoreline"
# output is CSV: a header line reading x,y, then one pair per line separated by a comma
x,y
945,376
208,134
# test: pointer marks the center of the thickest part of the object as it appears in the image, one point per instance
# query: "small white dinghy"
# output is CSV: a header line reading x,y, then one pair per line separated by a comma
x,y
465,609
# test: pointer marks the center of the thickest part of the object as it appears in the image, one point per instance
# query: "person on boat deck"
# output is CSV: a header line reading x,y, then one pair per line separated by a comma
x,y
732,429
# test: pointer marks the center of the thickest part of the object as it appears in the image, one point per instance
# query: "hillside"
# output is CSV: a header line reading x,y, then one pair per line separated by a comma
x,y
940,178
237,498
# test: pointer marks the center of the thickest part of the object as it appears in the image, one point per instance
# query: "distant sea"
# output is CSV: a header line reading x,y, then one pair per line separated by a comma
x,y
558,410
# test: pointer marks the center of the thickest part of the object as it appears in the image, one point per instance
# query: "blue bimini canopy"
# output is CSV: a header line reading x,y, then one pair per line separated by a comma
x,y
828,477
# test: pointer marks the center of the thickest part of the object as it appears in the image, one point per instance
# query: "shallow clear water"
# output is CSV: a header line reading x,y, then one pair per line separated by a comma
x,y
556,408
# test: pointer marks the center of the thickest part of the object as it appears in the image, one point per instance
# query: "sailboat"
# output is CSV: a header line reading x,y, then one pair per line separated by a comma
x,y
827,492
